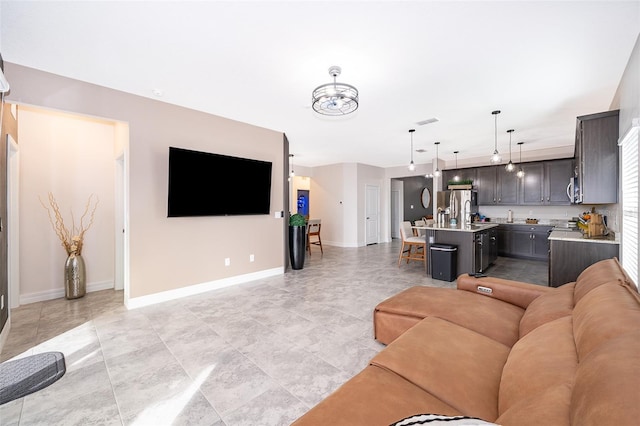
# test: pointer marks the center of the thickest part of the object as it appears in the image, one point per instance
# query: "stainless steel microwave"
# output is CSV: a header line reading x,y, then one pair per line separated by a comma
x,y
573,191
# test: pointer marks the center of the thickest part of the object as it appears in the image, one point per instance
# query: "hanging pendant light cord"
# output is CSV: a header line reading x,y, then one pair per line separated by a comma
x,y
495,145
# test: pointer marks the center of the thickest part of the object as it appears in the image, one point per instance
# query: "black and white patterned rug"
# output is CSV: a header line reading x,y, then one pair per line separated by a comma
x,y
23,376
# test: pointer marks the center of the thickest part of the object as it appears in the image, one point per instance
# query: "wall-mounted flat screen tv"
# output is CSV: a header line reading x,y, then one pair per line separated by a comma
x,y
207,184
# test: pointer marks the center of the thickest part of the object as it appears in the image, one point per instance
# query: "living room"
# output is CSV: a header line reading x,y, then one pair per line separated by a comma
x,y
169,258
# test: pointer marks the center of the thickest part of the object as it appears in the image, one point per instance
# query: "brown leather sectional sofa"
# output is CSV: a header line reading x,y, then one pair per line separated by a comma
x,y
503,351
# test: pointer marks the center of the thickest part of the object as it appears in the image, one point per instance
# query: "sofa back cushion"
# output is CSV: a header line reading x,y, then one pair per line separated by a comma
x,y
597,274
607,311
547,307
543,359
606,386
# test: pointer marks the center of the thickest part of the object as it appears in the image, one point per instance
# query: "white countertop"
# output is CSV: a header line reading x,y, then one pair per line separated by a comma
x,y
579,237
475,227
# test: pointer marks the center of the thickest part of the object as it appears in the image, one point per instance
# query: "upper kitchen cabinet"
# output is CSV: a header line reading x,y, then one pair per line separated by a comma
x,y
557,174
506,186
532,183
545,182
496,186
486,179
597,158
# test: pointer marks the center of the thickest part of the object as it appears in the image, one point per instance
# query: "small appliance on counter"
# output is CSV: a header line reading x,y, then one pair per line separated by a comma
x,y
510,216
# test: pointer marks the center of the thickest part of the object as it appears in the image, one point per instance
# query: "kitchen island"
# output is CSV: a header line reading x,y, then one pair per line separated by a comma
x,y
476,243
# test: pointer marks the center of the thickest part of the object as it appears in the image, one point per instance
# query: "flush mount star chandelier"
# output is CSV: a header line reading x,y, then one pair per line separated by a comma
x,y
335,98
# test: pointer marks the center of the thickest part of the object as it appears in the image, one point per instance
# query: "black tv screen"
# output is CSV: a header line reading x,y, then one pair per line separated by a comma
x,y
206,184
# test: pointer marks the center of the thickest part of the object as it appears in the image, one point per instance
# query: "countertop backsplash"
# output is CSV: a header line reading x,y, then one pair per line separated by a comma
x,y
549,215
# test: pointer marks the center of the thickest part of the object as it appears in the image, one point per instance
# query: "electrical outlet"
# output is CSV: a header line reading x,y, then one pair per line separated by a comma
x,y
251,258
227,261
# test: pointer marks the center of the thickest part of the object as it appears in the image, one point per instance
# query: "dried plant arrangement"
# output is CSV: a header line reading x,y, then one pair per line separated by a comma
x,y
71,239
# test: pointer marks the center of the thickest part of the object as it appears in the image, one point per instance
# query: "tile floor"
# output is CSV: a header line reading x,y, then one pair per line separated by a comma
x,y
260,353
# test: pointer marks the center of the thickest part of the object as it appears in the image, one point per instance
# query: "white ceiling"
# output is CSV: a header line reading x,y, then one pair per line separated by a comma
x,y
541,62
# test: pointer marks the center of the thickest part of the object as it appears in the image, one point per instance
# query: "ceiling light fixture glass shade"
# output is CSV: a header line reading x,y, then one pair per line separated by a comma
x,y
457,176
510,167
437,172
335,98
496,158
412,166
520,173
292,174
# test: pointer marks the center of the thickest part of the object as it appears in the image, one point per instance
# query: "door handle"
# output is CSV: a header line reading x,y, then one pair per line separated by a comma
x,y
1,227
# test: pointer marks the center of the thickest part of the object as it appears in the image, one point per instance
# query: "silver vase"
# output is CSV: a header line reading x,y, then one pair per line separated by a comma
x,y
75,282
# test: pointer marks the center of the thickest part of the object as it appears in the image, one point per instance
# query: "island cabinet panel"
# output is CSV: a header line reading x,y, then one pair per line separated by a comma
x,y
464,241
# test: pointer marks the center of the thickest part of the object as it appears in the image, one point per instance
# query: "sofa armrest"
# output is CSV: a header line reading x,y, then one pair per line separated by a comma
x,y
515,292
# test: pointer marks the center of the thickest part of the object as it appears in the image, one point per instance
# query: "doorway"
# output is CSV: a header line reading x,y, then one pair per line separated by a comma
x,y
13,175
47,139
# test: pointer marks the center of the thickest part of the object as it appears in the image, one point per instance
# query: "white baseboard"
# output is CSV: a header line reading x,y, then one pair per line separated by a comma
x,y
57,293
165,296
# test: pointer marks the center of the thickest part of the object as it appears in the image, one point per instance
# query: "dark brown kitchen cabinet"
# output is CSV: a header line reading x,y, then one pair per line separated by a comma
x,y
557,174
567,259
504,240
596,156
525,241
532,184
486,185
545,182
496,186
506,186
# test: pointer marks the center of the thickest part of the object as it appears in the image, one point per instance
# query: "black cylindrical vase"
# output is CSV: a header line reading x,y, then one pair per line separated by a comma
x,y
297,246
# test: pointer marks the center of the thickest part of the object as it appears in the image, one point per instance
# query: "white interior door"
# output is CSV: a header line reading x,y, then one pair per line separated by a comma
x,y
372,212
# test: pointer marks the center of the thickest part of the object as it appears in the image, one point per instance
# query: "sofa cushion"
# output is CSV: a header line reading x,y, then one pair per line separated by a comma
x,y
605,312
457,365
598,274
544,358
490,317
550,407
547,307
606,385
373,396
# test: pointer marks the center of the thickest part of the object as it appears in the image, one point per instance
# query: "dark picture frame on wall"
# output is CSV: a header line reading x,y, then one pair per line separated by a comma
x,y
425,197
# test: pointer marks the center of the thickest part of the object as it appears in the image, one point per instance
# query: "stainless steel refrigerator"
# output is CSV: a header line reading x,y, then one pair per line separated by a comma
x,y
461,204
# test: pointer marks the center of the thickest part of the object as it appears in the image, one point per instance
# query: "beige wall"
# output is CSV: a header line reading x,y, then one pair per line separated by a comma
x,y
72,157
172,253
